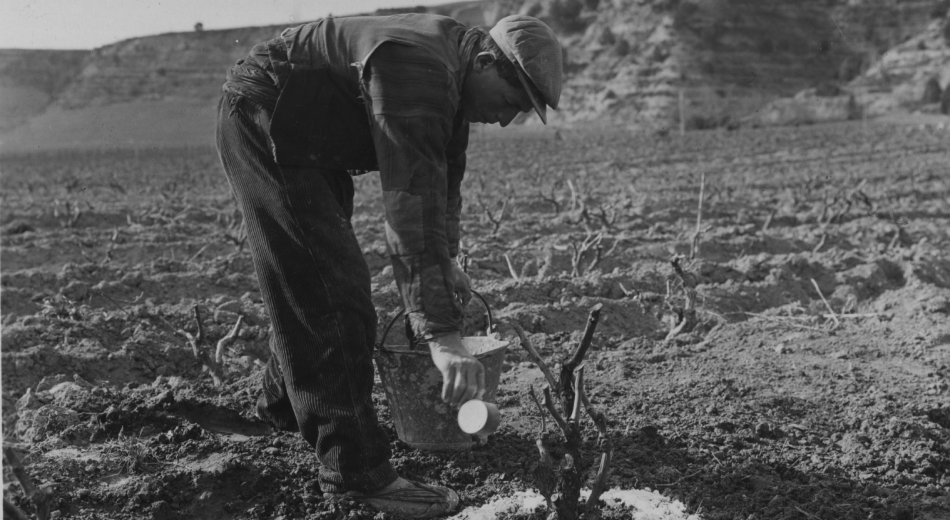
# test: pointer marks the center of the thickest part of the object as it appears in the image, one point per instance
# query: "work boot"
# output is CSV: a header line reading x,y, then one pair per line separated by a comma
x,y
406,499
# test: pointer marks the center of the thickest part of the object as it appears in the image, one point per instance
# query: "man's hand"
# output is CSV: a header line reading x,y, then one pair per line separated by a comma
x,y
463,376
462,284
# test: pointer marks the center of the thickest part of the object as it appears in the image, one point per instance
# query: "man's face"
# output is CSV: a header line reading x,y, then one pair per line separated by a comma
x,y
488,98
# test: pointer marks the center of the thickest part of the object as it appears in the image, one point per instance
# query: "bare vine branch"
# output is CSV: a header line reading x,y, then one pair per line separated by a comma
x,y
576,407
214,366
590,242
40,496
571,364
694,246
537,402
227,340
511,268
496,219
685,316
551,199
526,344
566,476
834,316
600,481
561,423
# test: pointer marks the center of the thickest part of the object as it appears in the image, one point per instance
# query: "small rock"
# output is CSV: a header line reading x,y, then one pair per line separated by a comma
x,y
169,381
271,451
192,432
940,416
841,354
65,390
29,401
166,397
225,316
760,483
133,279
47,420
726,426
851,442
765,430
50,381
82,382
904,480
75,290
251,297
54,442
17,227
712,410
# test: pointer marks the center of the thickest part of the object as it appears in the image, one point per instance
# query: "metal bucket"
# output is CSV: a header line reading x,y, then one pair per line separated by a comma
x,y
414,389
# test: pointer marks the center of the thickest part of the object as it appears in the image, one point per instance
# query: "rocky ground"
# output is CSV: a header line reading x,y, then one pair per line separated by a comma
x,y
812,380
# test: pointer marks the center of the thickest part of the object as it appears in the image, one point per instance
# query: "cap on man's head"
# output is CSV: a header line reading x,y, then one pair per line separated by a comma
x,y
534,50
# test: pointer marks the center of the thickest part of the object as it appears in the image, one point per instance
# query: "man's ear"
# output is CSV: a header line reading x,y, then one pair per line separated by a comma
x,y
483,61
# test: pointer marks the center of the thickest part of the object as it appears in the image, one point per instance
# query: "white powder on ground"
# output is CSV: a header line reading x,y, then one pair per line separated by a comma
x,y
642,504
645,504
520,502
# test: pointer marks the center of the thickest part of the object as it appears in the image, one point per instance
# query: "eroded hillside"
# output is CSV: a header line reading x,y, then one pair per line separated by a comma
x,y
173,65
627,63
30,80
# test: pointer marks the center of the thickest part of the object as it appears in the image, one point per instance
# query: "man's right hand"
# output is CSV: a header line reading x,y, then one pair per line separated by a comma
x,y
462,284
463,376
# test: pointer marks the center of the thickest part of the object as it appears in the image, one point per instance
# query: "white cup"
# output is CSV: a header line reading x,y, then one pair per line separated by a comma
x,y
478,417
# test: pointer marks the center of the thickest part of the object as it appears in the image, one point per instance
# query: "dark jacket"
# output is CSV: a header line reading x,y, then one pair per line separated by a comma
x,y
382,93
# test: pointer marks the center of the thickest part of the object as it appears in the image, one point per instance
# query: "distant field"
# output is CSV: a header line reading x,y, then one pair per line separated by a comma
x,y
798,368
18,104
142,124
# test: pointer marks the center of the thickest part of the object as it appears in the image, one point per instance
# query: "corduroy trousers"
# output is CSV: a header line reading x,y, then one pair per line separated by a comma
x,y
316,287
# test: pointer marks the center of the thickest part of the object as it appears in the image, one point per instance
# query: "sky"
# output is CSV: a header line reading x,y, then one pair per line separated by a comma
x,y
86,24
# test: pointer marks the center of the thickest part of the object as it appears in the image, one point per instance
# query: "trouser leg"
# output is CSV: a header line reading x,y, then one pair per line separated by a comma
x,y
316,286
273,405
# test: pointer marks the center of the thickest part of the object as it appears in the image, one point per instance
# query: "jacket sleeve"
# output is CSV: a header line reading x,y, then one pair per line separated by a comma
x,y
412,100
456,157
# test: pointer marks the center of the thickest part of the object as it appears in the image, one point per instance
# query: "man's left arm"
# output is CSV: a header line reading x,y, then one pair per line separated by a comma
x,y
411,122
455,159
455,155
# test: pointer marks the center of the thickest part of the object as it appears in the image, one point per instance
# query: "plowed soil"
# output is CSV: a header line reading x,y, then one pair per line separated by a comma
x,y
814,382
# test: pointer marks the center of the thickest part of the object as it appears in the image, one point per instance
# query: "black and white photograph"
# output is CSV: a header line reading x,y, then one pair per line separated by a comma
x,y
475,260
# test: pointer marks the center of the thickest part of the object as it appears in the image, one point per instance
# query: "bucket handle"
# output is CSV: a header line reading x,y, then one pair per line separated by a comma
x,y
411,336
